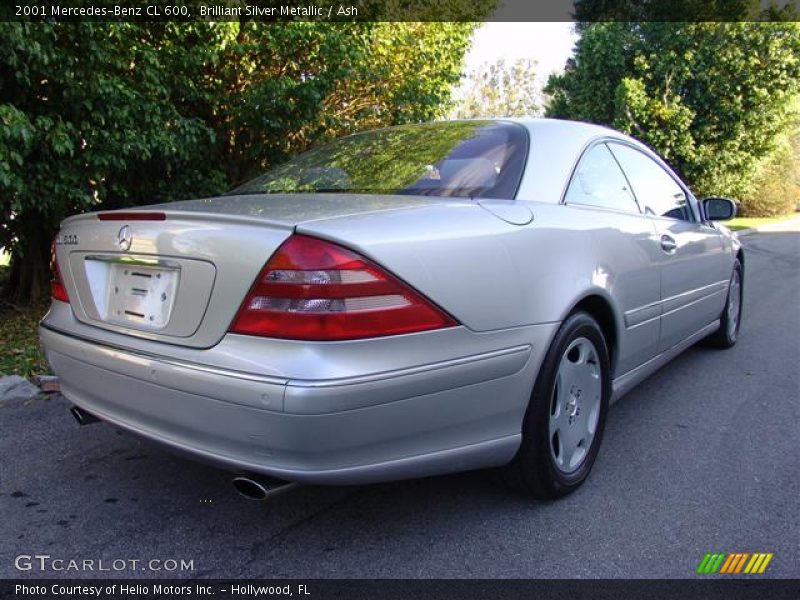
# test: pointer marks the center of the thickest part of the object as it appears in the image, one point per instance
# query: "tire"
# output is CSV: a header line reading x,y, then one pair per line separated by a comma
x,y
571,395
731,320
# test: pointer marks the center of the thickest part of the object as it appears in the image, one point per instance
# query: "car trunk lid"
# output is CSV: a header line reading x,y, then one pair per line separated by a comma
x,y
178,272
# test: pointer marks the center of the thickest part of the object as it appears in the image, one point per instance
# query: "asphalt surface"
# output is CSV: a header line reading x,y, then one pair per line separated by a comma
x,y
702,457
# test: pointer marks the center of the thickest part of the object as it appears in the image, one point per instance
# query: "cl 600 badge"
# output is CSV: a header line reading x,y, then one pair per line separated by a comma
x,y
68,240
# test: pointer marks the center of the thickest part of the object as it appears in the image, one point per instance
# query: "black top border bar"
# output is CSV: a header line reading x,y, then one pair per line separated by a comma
x,y
586,11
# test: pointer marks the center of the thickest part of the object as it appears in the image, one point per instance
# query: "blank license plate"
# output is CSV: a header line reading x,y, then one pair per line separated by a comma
x,y
141,295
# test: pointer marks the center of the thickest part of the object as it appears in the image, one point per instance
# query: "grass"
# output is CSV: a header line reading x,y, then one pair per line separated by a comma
x,y
20,353
748,222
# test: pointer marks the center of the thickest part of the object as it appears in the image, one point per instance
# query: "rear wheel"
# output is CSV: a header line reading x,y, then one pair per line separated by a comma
x,y
565,419
731,320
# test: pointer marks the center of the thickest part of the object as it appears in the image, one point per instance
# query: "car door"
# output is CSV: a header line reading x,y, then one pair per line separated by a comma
x,y
693,261
625,249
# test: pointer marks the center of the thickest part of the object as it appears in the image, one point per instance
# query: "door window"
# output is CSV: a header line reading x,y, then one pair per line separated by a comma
x,y
598,181
656,190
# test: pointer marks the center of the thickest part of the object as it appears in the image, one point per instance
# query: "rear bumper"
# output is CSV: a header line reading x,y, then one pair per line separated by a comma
x,y
451,415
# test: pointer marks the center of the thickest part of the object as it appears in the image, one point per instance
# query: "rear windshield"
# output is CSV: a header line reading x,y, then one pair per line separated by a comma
x,y
459,158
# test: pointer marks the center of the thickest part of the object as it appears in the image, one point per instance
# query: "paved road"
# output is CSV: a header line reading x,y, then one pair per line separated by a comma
x,y
701,457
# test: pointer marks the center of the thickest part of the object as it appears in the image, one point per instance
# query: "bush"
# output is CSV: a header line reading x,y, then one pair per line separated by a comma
x,y
777,185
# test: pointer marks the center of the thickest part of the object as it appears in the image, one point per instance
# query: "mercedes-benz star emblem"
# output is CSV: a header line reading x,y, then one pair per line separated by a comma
x,y
124,238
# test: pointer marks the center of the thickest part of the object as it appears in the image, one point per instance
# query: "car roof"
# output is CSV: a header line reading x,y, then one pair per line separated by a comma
x,y
590,130
576,129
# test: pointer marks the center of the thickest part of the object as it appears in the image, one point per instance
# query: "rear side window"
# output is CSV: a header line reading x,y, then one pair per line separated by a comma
x,y
598,181
483,159
655,189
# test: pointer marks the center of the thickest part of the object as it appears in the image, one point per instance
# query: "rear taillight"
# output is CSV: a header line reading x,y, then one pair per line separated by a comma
x,y
57,289
316,290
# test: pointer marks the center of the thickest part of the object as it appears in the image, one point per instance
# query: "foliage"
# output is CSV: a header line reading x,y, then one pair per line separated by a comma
x,y
499,89
711,97
106,115
20,353
776,190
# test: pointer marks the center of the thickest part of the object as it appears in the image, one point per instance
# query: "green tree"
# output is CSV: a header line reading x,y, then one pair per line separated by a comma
x,y
499,89
776,190
713,98
85,114
106,115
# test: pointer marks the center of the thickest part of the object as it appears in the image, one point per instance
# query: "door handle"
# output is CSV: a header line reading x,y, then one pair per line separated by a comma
x,y
668,244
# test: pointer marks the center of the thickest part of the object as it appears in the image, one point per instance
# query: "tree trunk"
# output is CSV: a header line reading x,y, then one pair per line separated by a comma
x,y
30,269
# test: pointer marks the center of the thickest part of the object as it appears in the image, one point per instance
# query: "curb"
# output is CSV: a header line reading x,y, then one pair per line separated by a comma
x,y
746,232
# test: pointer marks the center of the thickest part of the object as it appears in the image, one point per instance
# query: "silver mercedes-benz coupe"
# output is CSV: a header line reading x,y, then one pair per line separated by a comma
x,y
405,302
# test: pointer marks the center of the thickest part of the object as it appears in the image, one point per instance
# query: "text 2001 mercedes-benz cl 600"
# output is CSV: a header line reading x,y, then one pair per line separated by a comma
x,y
405,302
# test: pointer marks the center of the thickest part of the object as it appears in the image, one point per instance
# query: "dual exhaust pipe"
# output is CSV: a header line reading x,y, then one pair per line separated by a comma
x,y
252,487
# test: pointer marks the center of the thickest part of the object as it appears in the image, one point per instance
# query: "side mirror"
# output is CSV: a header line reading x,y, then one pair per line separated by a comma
x,y
719,209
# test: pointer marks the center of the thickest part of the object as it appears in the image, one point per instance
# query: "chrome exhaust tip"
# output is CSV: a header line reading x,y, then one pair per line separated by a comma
x,y
83,417
261,487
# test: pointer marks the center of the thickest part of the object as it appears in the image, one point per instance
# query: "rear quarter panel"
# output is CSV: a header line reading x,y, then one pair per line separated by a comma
x,y
492,275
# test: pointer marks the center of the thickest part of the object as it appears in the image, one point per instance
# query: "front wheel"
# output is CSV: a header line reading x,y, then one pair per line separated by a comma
x,y
731,320
565,419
